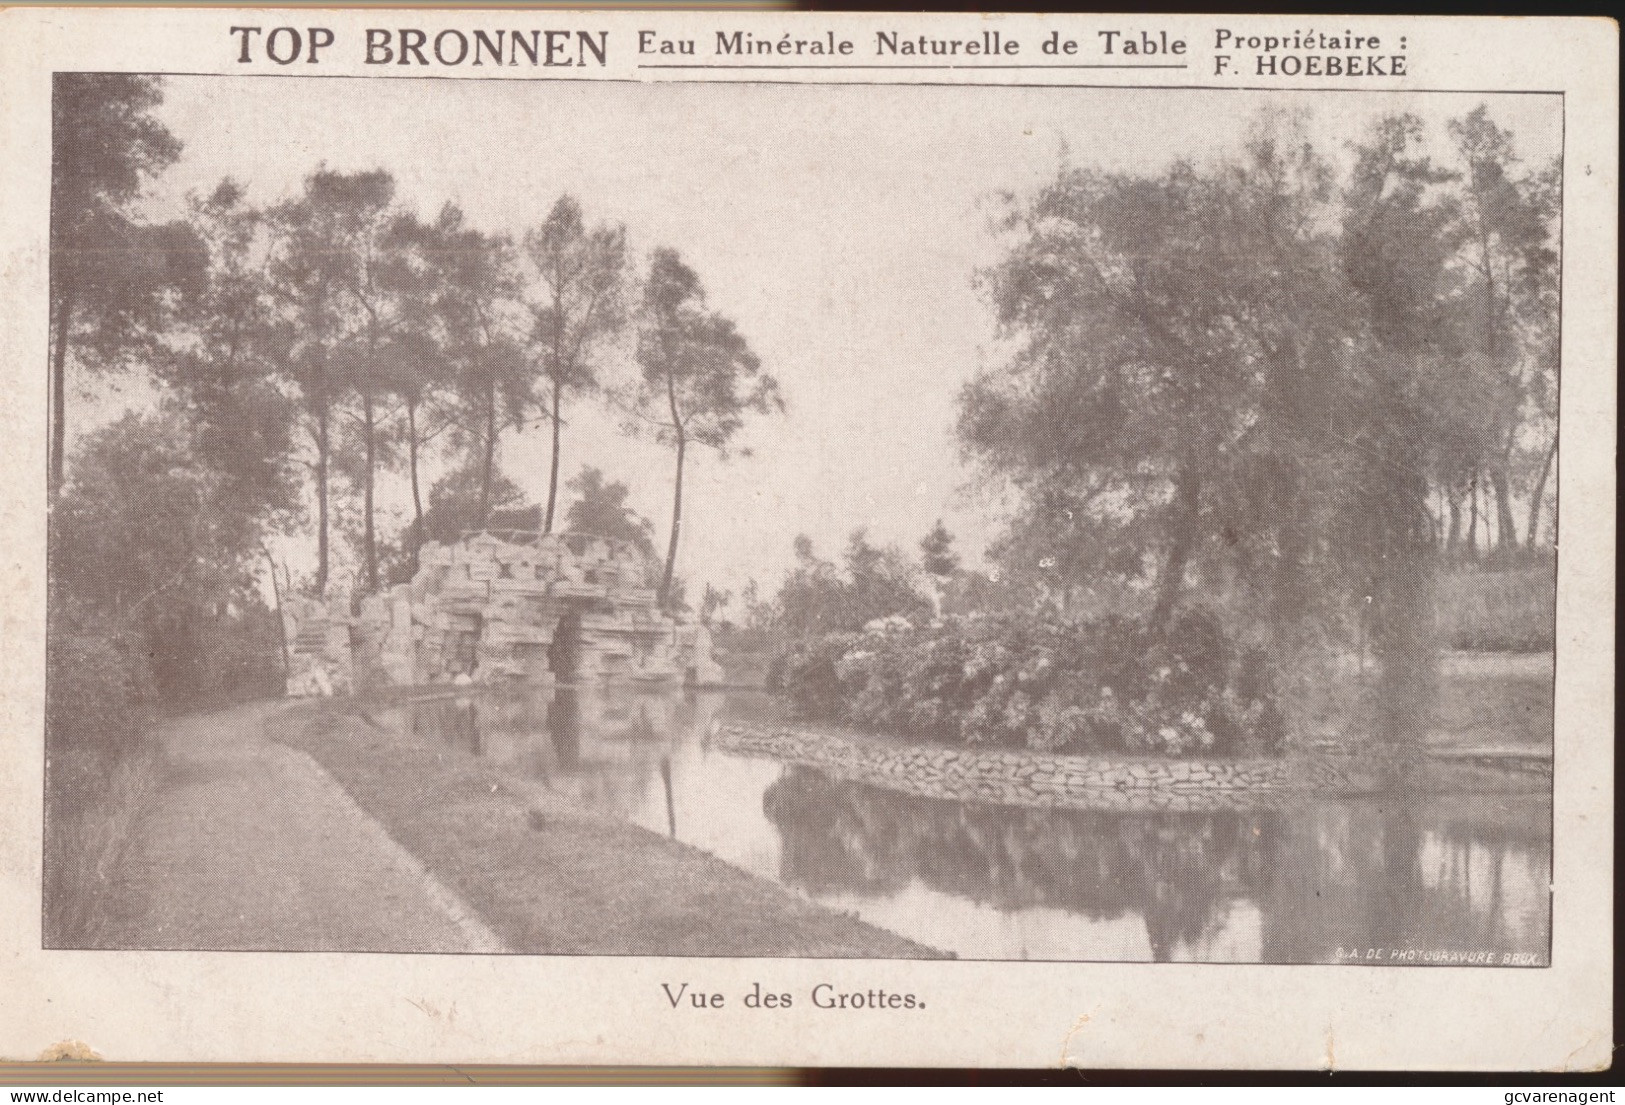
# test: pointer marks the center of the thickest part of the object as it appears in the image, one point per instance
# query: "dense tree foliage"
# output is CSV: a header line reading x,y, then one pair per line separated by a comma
x,y
1246,381
159,551
1510,266
600,508
478,309
111,272
699,377
817,597
223,363
326,241
419,372
304,349
461,501
937,554
577,305
1174,334
1280,386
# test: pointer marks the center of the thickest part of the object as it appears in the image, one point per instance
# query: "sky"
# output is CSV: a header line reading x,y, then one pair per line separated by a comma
x,y
841,228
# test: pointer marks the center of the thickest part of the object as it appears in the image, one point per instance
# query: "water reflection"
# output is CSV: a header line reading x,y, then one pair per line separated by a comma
x,y
1322,882
1462,873
1317,878
1173,870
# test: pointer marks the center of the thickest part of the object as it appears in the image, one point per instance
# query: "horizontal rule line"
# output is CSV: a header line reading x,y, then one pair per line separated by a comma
x,y
698,65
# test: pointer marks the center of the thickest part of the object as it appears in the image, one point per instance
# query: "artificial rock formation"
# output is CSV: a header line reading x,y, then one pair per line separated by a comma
x,y
508,606
318,647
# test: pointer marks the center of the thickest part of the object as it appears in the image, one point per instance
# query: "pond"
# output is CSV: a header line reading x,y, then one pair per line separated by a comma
x,y
1427,880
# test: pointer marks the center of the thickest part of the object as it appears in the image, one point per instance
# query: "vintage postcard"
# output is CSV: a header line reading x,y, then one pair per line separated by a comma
x,y
773,538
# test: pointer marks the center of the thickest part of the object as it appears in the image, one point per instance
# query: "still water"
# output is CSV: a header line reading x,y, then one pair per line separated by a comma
x,y
1428,880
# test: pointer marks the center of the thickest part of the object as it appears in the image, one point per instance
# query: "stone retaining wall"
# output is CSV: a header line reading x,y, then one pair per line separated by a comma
x,y
1050,780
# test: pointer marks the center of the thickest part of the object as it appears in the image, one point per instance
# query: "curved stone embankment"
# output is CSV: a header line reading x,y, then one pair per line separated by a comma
x,y
1050,780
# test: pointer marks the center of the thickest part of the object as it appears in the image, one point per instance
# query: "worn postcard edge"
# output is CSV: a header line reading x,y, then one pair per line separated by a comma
x,y
164,1006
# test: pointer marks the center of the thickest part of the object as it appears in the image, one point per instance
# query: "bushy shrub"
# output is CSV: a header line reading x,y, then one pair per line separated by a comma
x,y
807,673
817,597
1107,685
202,658
99,766
99,688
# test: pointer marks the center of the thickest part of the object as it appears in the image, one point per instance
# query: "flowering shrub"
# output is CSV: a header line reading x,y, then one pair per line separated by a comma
x,y
1107,685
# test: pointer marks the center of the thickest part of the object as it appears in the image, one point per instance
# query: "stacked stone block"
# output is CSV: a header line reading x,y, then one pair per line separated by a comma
x,y
319,655
495,608
1048,779
501,608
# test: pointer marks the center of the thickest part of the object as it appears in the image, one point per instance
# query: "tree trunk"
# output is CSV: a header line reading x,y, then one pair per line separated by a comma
x,y
281,626
1453,539
1187,499
676,520
553,472
489,463
321,501
677,484
1535,497
1507,531
1472,517
59,394
369,536
418,536
1403,611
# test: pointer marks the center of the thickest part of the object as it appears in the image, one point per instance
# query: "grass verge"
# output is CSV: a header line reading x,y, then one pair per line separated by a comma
x,y
551,879
1479,702
95,796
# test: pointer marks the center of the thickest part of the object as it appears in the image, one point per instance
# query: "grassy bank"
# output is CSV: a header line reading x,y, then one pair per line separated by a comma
x,y
95,796
552,879
1483,700
1506,610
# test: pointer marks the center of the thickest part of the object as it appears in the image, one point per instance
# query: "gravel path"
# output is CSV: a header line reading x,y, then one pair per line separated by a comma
x,y
251,846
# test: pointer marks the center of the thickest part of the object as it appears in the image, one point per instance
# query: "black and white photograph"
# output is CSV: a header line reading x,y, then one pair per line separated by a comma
x,y
799,539
1062,523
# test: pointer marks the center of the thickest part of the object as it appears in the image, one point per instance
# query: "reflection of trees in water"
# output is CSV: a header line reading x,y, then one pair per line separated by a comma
x,y
1492,867
494,727
578,724
605,746
455,722
1176,870
1404,874
564,728
575,720
1393,874
1394,878
1463,872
